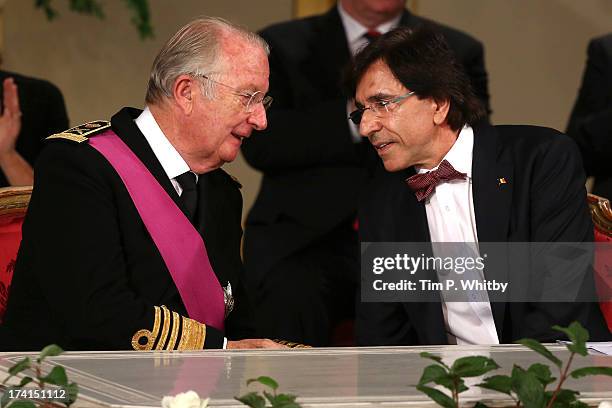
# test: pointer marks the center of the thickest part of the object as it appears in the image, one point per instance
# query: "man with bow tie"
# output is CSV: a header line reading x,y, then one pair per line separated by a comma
x,y
300,244
452,178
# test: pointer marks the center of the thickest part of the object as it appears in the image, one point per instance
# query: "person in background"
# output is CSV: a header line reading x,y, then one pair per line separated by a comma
x,y
32,110
300,247
590,123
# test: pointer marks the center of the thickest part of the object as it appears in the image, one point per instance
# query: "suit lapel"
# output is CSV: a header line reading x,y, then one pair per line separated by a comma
x,y
492,184
123,124
407,19
331,46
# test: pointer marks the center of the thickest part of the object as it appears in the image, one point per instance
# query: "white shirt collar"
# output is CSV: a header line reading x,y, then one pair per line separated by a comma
x,y
354,30
460,154
169,158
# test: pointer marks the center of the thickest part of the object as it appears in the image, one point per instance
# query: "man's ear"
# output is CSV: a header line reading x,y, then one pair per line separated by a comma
x,y
183,91
441,109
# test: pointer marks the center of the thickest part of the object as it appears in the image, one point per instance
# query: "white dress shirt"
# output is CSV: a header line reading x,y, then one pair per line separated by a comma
x,y
355,39
171,161
450,216
169,158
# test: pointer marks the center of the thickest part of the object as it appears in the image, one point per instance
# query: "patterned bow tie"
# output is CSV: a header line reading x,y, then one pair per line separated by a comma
x,y
423,184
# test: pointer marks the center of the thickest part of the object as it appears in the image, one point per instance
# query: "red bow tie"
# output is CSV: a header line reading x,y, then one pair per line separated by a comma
x,y
423,184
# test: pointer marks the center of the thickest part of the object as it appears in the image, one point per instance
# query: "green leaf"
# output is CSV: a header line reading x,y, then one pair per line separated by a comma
x,y
473,366
528,388
281,400
285,398
440,376
25,381
46,6
542,372
20,366
578,335
253,400
578,404
22,404
499,383
541,350
57,376
51,350
563,399
141,17
267,381
5,397
438,396
91,7
433,357
583,372
431,373
72,390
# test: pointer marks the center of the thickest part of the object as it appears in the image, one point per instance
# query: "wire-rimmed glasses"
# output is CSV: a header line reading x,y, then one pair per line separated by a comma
x,y
249,99
379,107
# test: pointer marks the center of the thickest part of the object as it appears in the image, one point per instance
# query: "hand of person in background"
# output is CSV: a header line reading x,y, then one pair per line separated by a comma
x,y
14,166
10,120
254,344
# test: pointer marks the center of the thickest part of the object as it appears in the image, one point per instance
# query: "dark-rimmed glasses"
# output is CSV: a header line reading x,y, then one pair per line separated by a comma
x,y
249,99
379,107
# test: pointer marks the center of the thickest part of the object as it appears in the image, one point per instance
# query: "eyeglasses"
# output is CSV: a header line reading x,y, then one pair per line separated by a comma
x,y
379,107
249,99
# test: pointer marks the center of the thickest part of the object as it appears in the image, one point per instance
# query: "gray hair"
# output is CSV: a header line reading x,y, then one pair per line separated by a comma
x,y
195,50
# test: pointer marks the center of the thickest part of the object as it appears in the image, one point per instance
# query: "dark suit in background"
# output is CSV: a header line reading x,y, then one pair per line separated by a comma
x,y
590,123
300,249
43,113
542,200
88,273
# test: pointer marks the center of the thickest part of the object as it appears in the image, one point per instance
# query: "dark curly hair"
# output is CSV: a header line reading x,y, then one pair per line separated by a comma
x,y
422,61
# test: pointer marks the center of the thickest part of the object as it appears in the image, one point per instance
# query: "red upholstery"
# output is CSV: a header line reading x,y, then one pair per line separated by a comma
x,y
13,205
602,219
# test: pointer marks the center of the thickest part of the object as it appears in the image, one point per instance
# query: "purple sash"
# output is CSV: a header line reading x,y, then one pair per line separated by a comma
x,y
180,245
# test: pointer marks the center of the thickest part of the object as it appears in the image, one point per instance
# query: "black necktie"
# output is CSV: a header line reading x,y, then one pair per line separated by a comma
x,y
189,196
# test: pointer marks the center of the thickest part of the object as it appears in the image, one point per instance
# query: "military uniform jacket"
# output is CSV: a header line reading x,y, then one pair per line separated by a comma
x,y
88,275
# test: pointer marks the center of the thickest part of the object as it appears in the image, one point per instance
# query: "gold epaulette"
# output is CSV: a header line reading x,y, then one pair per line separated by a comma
x,y
81,133
171,331
291,344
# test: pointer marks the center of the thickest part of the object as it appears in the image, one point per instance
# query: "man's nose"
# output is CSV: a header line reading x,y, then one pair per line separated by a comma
x,y
369,124
258,118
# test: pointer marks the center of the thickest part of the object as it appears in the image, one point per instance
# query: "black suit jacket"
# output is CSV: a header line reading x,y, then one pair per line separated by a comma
x,y
590,123
312,170
543,200
88,273
43,113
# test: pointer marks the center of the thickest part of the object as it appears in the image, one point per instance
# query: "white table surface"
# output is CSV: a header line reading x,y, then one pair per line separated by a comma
x,y
326,377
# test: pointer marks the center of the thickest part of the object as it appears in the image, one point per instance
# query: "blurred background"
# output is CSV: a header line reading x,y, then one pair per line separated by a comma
x,y
535,51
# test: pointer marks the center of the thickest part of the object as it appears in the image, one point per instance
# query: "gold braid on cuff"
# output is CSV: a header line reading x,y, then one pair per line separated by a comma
x,y
291,344
188,333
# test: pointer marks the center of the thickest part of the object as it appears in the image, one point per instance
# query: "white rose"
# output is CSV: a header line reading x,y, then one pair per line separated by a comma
x,y
605,404
189,399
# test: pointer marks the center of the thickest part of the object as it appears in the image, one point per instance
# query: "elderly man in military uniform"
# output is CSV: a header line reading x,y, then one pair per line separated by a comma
x,y
132,238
